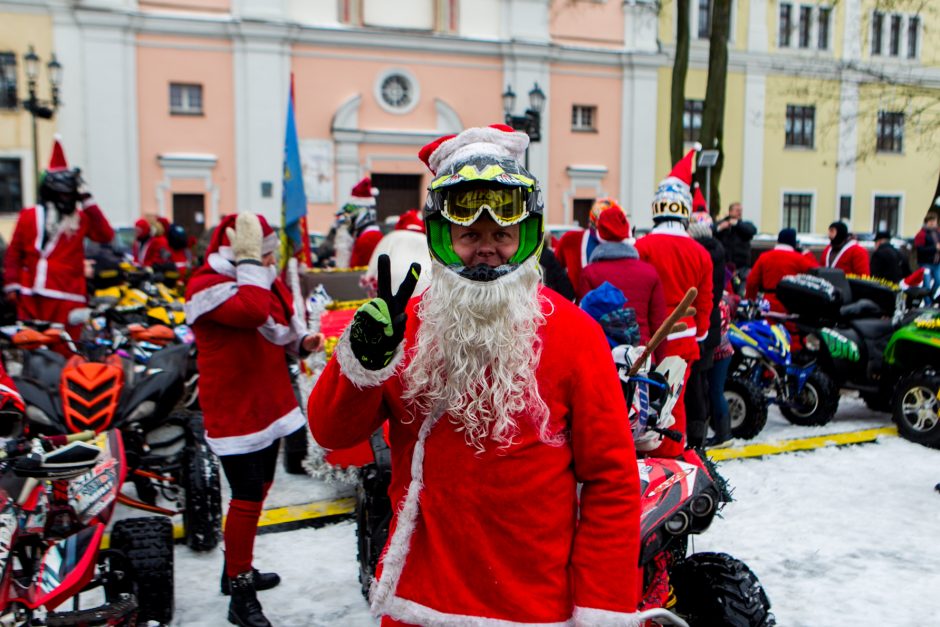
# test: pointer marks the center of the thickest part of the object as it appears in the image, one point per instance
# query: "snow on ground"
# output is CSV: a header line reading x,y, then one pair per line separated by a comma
x,y
839,537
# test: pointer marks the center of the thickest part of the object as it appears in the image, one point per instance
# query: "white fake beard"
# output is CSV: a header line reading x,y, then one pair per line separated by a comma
x,y
476,353
57,224
343,243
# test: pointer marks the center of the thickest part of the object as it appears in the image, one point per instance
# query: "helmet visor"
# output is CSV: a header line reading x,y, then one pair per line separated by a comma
x,y
506,205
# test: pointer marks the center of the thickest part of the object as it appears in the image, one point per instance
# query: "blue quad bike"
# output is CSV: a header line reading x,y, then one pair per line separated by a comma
x,y
763,371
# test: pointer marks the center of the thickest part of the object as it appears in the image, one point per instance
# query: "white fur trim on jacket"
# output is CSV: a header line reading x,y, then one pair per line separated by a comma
x,y
251,274
413,613
590,617
204,301
251,442
382,592
476,141
357,374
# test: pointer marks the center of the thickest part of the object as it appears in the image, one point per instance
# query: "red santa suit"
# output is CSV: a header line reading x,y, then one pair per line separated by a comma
x,y
242,313
522,559
851,258
771,267
574,252
364,246
48,270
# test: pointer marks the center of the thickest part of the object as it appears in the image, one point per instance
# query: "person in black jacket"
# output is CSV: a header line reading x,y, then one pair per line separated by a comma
x,y
735,234
696,392
887,262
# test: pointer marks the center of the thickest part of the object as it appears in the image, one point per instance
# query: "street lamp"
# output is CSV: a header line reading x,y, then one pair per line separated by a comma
x,y
531,122
44,109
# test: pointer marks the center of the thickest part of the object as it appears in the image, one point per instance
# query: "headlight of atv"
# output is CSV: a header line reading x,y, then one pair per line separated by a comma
x,y
678,523
142,411
812,342
748,351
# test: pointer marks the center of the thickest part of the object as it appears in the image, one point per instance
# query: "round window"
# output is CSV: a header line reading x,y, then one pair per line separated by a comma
x,y
397,91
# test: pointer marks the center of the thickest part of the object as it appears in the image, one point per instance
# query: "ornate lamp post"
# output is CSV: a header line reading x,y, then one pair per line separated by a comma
x,y
531,122
37,108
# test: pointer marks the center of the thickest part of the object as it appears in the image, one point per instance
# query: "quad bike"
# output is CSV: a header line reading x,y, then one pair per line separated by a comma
x,y
763,371
98,389
890,356
57,495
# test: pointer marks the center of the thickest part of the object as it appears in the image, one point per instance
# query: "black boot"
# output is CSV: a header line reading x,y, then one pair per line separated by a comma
x,y
263,581
244,609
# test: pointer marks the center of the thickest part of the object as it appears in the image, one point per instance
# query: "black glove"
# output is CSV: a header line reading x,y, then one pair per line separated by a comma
x,y
379,326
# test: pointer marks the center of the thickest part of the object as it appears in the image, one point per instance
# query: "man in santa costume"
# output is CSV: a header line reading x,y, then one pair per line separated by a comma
x,y
150,243
501,398
357,232
682,263
575,247
773,265
844,252
44,267
405,245
245,321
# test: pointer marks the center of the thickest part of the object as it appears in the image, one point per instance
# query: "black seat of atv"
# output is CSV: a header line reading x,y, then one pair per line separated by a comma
x,y
838,280
873,329
44,367
170,358
862,308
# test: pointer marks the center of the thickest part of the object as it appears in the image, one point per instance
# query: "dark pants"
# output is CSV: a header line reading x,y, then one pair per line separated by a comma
x,y
721,421
248,473
696,406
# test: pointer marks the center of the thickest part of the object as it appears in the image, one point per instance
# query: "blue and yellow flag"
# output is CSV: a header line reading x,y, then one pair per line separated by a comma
x,y
293,197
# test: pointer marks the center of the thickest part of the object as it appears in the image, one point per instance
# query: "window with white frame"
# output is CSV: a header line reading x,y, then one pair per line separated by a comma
x,y
887,211
890,132
8,97
11,185
803,26
692,120
583,118
185,99
895,35
800,127
798,212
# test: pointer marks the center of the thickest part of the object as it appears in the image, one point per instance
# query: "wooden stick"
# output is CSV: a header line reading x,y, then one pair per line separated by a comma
x,y
681,311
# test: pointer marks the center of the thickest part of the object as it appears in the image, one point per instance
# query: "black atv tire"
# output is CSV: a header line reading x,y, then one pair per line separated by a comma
x,y
747,407
816,404
916,408
877,401
373,517
147,543
202,485
716,589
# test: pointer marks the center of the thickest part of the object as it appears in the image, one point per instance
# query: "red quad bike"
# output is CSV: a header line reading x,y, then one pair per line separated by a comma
x,y
97,388
57,495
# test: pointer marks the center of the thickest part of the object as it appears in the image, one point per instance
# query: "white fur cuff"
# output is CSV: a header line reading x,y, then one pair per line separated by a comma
x,y
590,617
358,375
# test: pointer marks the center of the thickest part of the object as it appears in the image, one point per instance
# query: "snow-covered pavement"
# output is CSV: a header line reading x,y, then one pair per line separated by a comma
x,y
839,537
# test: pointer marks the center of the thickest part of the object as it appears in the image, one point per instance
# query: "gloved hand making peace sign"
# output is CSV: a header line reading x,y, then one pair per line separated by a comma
x,y
379,326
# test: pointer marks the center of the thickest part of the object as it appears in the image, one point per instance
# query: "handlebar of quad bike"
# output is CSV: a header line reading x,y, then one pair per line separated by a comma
x,y
22,446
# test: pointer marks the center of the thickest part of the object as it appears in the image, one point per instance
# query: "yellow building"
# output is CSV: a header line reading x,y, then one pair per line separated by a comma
x,y
832,111
22,27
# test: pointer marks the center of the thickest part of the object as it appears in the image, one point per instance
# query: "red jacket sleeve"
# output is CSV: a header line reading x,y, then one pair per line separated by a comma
x,y
607,539
99,229
657,314
340,414
861,264
250,306
13,260
704,301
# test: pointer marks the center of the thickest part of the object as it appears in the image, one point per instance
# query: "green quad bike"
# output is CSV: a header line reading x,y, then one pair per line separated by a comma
x,y
861,334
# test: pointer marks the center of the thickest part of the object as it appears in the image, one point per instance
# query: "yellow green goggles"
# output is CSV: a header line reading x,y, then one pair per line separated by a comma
x,y
506,205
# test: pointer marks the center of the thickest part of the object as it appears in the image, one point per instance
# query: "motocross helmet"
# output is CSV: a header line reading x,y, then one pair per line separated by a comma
x,y
60,188
470,186
176,237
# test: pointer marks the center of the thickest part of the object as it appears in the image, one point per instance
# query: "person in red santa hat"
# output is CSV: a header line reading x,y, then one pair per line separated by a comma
x,y
404,246
844,251
358,233
616,261
575,247
238,308
150,245
44,267
772,266
682,263
502,397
